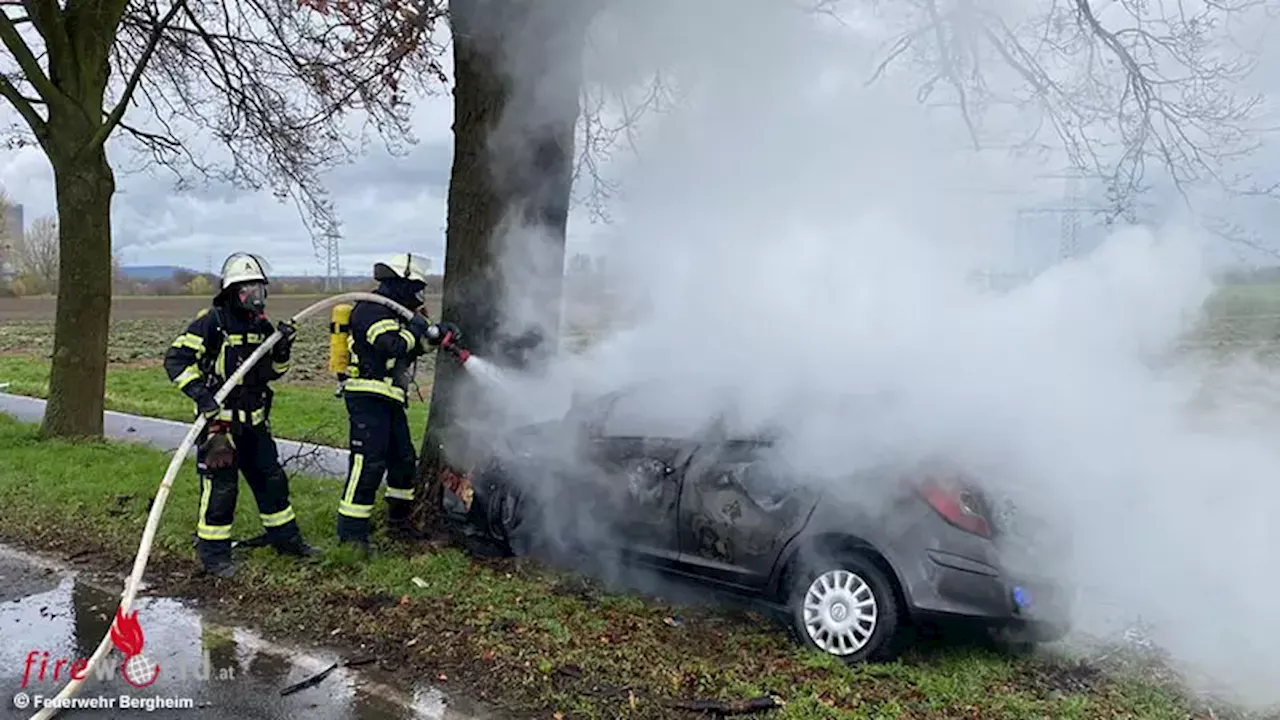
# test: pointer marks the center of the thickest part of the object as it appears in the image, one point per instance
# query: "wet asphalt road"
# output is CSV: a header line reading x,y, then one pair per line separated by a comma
x,y
167,435
227,673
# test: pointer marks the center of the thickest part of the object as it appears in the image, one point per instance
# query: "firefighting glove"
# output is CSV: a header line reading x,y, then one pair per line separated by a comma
x,y
219,448
444,333
283,349
207,405
420,326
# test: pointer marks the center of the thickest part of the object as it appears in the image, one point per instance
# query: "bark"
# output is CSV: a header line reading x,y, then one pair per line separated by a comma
x,y
85,185
513,156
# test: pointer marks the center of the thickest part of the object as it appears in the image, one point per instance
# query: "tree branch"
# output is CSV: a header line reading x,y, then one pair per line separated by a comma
x,y
24,108
12,39
46,18
117,113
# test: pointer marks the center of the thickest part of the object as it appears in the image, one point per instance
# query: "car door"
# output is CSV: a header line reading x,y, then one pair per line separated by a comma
x,y
738,510
641,480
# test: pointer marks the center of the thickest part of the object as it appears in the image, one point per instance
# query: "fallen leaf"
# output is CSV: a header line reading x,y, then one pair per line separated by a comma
x,y
420,582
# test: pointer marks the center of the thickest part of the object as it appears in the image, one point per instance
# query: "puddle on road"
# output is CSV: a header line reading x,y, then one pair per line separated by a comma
x,y
228,672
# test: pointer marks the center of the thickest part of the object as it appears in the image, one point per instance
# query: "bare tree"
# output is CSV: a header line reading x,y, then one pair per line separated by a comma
x,y
513,162
38,255
269,81
1122,88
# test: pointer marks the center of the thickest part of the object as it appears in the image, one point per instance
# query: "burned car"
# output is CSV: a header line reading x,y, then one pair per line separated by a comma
x,y
847,575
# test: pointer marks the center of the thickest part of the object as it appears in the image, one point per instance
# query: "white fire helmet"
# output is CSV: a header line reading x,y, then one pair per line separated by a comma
x,y
243,267
405,265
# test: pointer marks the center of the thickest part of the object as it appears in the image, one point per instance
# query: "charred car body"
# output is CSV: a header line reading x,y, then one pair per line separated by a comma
x,y
722,510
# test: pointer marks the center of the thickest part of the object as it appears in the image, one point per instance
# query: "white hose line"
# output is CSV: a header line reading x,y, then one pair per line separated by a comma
x,y
162,494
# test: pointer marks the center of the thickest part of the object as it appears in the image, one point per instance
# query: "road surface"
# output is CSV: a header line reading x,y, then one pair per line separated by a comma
x,y
167,435
207,670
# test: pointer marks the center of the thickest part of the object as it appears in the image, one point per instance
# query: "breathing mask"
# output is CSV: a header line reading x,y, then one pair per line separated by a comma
x,y
409,293
251,297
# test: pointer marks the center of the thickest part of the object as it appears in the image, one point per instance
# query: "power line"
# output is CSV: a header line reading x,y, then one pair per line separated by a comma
x,y
333,263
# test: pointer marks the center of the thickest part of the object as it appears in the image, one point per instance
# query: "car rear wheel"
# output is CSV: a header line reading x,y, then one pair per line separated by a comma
x,y
844,607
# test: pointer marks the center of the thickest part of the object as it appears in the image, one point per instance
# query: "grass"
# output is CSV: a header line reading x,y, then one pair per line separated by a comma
x,y
521,638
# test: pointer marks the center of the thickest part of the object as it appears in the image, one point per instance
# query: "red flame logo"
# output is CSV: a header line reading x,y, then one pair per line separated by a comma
x,y
126,635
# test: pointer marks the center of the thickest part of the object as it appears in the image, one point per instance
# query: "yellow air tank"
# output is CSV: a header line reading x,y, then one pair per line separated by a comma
x,y
339,328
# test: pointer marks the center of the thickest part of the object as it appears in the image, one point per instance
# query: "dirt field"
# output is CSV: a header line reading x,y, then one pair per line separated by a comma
x,y
143,327
41,309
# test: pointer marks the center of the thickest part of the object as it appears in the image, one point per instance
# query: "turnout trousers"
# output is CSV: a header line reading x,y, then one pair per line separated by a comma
x,y
257,458
380,444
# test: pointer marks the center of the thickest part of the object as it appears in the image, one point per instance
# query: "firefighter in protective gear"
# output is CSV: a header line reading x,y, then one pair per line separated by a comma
x,y
237,438
383,349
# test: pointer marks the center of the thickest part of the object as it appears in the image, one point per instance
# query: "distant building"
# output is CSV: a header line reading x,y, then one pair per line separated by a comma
x,y
12,237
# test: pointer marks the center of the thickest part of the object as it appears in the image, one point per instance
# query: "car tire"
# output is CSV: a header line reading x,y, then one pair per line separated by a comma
x,y
844,607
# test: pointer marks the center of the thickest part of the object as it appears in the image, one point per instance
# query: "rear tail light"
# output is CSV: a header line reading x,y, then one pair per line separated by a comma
x,y
957,504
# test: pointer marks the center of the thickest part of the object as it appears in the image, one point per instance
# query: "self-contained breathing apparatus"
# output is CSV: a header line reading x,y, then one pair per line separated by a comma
x,y
339,349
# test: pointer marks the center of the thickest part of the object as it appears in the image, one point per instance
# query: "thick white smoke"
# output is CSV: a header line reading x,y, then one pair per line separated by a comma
x,y
793,238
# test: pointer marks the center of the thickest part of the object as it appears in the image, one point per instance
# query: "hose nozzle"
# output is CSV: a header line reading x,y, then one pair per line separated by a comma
x,y
450,344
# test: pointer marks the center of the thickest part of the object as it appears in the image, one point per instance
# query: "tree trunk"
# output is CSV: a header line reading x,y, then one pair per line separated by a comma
x,y
512,165
85,185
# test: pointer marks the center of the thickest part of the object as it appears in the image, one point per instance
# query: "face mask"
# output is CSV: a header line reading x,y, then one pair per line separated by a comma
x,y
253,297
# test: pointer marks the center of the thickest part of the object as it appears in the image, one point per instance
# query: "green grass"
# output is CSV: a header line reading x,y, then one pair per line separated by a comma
x,y
517,635
299,412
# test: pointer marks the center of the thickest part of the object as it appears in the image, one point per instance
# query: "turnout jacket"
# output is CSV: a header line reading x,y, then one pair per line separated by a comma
x,y
382,352
214,345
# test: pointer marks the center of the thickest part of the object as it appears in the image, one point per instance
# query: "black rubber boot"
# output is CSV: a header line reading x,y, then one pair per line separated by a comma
x,y
400,522
250,543
215,556
361,545
405,532
287,540
223,567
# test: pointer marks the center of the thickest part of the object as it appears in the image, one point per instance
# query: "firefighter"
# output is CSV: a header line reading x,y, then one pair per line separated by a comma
x,y
237,438
383,348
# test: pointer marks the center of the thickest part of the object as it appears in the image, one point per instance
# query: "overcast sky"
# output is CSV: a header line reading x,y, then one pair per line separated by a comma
x,y
387,204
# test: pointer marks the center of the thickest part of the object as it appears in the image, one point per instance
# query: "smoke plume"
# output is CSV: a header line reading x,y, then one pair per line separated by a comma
x,y
796,249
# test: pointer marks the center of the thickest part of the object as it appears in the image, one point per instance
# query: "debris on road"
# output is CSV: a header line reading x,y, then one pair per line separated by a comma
x,y
311,681
320,676
723,709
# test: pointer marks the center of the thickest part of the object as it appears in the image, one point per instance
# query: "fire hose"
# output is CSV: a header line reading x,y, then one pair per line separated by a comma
x,y
134,580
